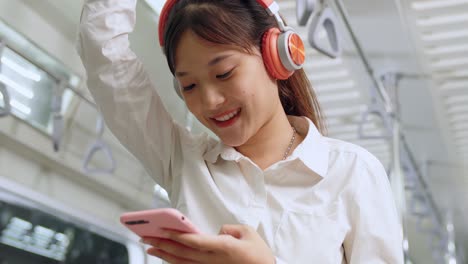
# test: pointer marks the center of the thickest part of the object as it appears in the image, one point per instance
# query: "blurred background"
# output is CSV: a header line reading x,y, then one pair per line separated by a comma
x,y
391,75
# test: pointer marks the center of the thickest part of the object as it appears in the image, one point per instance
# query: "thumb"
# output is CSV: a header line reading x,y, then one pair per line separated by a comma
x,y
237,231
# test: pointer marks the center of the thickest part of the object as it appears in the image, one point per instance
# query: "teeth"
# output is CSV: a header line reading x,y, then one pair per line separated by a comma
x,y
227,117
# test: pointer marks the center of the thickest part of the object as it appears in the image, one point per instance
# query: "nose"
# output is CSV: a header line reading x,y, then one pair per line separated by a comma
x,y
211,97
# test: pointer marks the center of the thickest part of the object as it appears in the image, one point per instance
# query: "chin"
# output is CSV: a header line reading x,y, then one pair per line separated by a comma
x,y
233,142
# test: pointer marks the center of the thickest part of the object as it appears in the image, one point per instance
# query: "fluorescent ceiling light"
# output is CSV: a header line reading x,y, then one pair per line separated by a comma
x,y
21,70
383,155
62,238
460,126
345,111
352,135
328,98
458,109
462,142
452,85
459,135
20,89
354,128
447,49
447,35
382,151
444,63
426,5
323,63
456,99
343,120
442,20
460,73
343,128
453,74
463,149
368,131
335,86
383,158
372,143
458,118
346,137
329,75
22,224
42,236
330,121
37,241
20,107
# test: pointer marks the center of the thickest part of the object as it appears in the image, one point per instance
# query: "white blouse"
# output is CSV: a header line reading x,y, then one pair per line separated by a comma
x,y
329,202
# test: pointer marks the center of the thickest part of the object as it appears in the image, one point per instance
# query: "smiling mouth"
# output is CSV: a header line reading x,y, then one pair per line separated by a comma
x,y
227,116
227,119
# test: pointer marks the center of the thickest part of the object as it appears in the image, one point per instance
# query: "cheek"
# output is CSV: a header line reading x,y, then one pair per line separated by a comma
x,y
255,91
249,86
245,94
193,108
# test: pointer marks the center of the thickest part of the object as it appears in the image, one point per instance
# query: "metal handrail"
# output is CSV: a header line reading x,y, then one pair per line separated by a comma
x,y
99,145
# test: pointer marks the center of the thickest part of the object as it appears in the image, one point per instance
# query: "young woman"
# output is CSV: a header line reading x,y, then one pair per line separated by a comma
x,y
271,188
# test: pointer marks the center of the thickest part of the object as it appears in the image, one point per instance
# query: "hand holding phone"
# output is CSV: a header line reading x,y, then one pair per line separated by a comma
x,y
150,223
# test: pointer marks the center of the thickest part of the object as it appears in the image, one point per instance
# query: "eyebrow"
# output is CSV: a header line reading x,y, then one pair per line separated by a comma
x,y
211,63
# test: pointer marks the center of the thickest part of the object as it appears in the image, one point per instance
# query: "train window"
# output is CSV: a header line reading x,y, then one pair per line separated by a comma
x,y
30,76
28,235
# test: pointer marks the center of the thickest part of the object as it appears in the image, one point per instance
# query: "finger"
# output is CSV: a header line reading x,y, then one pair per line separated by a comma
x,y
169,257
176,249
237,231
206,243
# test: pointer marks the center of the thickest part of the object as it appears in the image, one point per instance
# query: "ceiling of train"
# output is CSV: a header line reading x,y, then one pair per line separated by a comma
x,y
426,42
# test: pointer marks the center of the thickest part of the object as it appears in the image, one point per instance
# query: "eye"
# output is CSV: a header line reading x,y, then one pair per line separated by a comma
x,y
188,88
224,75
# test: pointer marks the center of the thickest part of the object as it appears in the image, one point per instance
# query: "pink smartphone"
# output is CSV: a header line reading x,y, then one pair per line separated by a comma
x,y
149,223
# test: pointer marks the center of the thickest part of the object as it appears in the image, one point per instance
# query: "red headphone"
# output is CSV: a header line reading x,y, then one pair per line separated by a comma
x,y
282,49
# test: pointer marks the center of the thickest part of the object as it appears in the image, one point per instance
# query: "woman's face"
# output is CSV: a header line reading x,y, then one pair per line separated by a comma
x,y
226,89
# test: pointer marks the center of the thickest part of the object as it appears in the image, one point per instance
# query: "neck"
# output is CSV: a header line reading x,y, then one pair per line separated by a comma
x,y
270,143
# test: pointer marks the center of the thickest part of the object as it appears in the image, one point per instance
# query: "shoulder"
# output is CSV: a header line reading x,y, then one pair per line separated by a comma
x,y
352,153
356,166
363,173
192,141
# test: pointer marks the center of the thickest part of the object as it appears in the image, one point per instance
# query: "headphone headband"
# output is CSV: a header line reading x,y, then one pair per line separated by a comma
x,y
270,6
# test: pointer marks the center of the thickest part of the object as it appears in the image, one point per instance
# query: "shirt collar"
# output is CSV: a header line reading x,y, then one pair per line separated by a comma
x,y
313,150
220,149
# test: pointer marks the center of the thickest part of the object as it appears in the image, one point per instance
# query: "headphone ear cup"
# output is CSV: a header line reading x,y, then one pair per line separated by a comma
x,y
177,88
271,57
291,50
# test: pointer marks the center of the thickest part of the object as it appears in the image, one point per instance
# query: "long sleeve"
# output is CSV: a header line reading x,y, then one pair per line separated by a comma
x,y
122,88
376,234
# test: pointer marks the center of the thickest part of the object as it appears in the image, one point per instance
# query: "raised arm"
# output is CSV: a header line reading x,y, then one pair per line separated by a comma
x,y
122,88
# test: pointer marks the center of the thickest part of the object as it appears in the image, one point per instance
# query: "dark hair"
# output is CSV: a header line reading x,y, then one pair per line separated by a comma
x,y
241,23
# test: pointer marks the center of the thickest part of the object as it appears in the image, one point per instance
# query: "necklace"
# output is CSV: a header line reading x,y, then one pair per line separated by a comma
x,y
290,143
